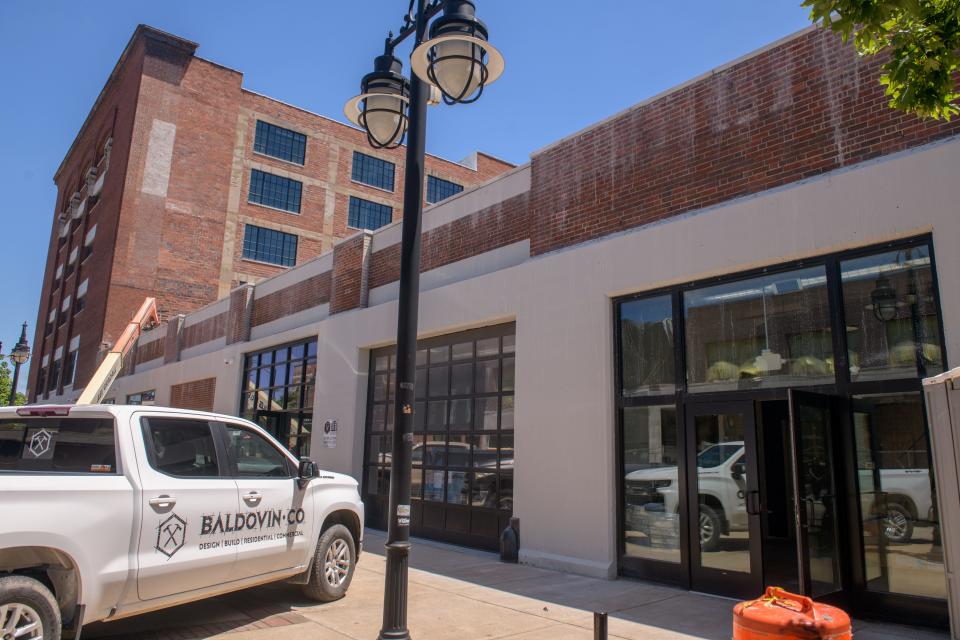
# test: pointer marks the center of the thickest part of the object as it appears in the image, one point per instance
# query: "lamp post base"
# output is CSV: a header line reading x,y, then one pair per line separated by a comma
x,y
395,594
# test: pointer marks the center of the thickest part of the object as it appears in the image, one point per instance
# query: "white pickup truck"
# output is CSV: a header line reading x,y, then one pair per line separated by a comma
x,y
109,511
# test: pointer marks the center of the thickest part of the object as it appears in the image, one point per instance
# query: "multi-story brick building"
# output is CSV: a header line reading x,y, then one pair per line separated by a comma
x,y
181,184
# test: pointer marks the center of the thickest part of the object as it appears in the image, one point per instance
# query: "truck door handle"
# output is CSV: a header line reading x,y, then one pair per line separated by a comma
x,y
253,498
162,501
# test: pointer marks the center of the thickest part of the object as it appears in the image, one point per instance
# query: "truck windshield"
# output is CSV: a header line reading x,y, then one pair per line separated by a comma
x,y
717,454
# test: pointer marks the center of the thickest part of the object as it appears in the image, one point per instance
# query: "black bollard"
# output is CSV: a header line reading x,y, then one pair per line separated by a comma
x,y
599,625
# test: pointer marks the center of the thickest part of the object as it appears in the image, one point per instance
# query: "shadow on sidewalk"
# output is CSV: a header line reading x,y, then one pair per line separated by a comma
x,y
636,608
264,607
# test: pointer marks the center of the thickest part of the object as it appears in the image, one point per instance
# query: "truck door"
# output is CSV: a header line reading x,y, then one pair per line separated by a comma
x,y
185,488
275,521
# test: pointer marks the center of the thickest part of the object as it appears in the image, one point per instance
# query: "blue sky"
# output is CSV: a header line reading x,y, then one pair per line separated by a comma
x,y
568,64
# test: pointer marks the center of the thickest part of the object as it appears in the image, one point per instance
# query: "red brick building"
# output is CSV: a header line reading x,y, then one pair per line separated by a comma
x,y
181,184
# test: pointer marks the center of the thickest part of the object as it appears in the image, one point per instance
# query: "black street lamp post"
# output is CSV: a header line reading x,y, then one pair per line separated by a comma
x,y
455,62
19,355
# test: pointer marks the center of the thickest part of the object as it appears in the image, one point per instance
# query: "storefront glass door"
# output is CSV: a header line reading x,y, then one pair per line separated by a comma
x,y
815,492
726,556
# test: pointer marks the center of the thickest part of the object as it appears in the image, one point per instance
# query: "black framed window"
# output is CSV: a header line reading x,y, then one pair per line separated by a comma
x,y
275,191
280,143
646,346
373,171
439,189
54,381
897,496
41,381
651,457
772,330
279,385
70,370
142,398
268,245
368,215
463,433
892,317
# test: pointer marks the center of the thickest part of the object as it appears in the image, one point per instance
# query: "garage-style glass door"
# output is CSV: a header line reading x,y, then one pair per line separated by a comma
x,y
463,436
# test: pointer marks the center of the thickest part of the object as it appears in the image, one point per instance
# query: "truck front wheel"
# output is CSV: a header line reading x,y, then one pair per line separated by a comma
x,y
711,526
27,610
333,565
898,523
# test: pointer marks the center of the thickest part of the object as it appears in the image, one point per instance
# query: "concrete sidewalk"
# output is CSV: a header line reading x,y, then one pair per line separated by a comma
x,y
462,594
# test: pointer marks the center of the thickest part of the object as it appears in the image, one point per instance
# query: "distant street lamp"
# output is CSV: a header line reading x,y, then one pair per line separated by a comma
x,y
457,63
19,356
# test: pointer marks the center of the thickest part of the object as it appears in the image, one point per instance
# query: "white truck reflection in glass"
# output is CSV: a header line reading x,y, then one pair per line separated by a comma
x,y
651,497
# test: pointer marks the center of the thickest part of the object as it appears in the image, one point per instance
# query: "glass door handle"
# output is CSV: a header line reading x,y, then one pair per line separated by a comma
x,y
753,503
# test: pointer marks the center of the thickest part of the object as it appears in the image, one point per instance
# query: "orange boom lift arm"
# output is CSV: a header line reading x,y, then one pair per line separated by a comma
x,y
110,368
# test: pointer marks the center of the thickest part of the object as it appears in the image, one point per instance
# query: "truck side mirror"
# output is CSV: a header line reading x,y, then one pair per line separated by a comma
x,y
306,471
738,470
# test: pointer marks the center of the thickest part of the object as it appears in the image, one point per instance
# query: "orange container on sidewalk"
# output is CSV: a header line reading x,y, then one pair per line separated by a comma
x,y
779,614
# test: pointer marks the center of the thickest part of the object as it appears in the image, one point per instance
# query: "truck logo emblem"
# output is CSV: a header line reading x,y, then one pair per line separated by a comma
x,y
40,443
171,535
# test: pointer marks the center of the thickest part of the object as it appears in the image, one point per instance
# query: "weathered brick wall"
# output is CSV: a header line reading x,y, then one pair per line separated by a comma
x,y
150,351
798,110
171,229
197,395
497,226
805,107
348,272
204,331
238,318
306,294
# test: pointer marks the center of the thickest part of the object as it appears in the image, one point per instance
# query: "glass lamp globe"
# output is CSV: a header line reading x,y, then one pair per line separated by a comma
x,y
382,117
457,59
381,108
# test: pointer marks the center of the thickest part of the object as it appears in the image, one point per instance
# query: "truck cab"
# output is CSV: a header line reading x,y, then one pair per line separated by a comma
x,y
115,510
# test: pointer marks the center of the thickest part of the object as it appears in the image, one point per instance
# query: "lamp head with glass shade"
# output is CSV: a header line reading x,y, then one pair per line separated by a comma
x,y
883,300
381,108
21,351
457,58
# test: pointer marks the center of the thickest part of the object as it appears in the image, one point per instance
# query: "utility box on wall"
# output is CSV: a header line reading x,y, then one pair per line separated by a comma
x,y
942,394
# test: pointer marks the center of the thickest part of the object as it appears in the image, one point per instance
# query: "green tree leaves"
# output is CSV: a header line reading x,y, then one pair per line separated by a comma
x,y
6,379
922,38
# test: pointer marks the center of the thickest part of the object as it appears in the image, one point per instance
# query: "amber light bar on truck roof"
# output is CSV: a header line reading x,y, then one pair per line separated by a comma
x,y
44,410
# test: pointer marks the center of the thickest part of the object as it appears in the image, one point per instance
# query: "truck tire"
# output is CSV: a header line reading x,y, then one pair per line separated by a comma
x,y
897,523
711,527
27,610
333,565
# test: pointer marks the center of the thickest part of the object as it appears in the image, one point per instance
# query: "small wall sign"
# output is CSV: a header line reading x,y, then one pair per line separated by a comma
x,y
330,434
